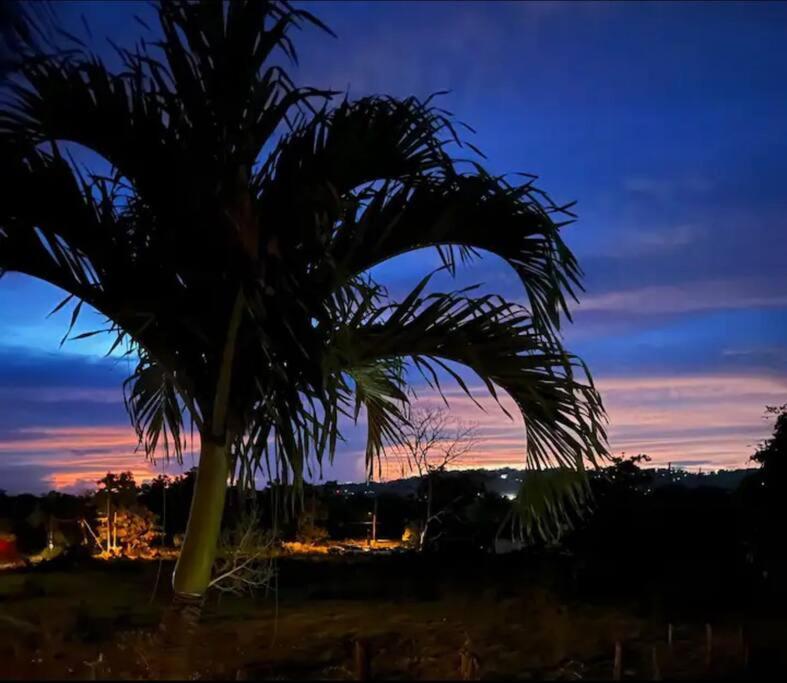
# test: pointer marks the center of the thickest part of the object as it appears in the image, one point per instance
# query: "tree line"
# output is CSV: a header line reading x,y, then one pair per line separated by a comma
x,y
632,531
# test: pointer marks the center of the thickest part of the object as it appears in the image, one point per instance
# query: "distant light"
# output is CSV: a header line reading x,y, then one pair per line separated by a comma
x,y
504,476
510,496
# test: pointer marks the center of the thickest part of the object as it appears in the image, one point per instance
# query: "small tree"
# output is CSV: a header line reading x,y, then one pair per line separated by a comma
x,y
432,440
133,532
114,492
311,527
772,453
762,497
125,525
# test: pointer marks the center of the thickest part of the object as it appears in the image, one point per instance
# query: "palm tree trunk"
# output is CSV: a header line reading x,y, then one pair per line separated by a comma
x,y
192,571
191,577
192,574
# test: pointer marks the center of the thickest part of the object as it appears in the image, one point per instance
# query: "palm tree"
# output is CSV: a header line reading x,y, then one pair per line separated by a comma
x,y
231,246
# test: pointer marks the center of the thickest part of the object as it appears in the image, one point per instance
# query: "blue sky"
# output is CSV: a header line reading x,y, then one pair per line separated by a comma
x,y
665,121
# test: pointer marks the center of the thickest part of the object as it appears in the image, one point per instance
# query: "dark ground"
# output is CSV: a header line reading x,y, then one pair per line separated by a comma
x,y
524,618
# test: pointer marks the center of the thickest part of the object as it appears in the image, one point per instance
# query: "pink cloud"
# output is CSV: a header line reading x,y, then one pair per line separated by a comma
x,y
709,419
716,420
78,456
37,439
687,297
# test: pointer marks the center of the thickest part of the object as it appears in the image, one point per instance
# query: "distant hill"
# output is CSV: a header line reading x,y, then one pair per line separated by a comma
x,y
506,481
721,479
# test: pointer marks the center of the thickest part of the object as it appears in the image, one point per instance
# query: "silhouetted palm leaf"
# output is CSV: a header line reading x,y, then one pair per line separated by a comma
x,y
380,389
496,339
549,501
156,410
372,179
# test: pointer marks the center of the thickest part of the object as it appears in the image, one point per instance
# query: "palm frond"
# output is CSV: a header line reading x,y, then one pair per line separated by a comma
x,y
380,389
216,56
50,238
184,129
156,408
81,101
550,501
361,141
562,410
96,247
294,422
460,215
310,175
288,429
373,179
24,31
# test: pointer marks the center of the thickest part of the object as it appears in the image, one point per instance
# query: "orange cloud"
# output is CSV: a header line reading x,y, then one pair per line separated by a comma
x,y
78,456
37,439
77,480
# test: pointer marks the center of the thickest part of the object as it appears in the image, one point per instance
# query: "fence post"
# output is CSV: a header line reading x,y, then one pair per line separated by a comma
x,y
469,666
744,647
617,666
362,660
708,645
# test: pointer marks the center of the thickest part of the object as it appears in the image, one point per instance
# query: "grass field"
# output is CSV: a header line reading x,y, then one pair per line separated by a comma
x,y
415,614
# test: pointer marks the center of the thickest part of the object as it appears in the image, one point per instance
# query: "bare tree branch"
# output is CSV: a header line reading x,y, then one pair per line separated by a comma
x,y
244,560
433,440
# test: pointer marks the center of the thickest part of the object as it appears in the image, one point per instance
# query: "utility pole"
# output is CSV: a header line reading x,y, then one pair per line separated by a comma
x,y
109,528
374,522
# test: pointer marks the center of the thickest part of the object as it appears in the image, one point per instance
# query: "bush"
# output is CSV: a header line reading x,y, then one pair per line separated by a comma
x,y
310,531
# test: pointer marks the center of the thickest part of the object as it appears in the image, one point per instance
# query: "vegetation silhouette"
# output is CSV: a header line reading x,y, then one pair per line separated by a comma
x,y
762,497
229,249
675,547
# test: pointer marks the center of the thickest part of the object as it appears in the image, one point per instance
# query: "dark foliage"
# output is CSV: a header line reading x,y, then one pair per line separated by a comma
x,y
762,496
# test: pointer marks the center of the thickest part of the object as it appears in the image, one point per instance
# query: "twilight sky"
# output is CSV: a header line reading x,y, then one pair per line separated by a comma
x,y
666,122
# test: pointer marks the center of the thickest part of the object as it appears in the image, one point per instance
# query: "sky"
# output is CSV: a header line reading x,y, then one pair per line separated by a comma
x,y
664,121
